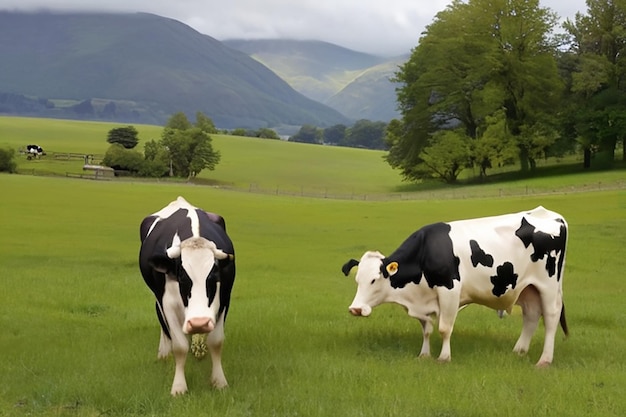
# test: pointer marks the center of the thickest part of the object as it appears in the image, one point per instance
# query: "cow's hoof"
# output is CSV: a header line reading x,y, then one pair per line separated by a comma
x,y
219,384
176,391
543,364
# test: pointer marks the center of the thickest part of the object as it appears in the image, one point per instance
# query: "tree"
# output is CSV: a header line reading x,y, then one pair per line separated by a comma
x,y
335,134
125,136
205,123
266,133
190,151
7,160
447,154
365,134
307,134
598,82
122,159
474,60
494,146
156,160
178,121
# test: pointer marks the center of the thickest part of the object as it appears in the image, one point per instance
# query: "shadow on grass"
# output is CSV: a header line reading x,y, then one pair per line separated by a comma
x,y
549,171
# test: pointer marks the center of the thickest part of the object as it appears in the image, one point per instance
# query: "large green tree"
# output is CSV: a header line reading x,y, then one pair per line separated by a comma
x,y
598,79
476,59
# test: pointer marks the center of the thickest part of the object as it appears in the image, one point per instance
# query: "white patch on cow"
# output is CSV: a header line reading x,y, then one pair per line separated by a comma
x,y
173,207
198,258
174,250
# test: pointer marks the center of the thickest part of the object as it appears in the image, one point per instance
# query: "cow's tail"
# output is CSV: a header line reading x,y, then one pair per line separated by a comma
x,y
563,321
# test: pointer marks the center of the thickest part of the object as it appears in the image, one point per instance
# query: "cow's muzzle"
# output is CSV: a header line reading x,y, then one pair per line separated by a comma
x,y
199,325
363,311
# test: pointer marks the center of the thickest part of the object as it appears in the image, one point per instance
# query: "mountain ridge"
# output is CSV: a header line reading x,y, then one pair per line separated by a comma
x,y
161,64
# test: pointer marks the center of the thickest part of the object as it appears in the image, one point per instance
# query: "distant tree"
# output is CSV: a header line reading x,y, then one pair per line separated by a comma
x,y
156,162
178,121
266,133
7,160
190,151
205,123
365,134
240,131
335,134
307,134
122,159
125,136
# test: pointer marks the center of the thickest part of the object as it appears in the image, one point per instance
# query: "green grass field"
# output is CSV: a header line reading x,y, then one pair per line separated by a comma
x,y
80,337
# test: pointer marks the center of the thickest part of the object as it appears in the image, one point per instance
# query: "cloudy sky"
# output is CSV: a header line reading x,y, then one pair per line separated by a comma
x,y
386,27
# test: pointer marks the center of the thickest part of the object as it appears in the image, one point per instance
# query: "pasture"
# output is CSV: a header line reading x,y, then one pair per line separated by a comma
x,y
283,168
79,333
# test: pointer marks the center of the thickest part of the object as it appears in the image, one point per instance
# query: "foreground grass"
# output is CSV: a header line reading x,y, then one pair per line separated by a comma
x,y
80,336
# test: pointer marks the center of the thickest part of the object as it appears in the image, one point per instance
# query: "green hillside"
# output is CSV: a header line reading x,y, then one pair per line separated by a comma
x,y
144,67
355,84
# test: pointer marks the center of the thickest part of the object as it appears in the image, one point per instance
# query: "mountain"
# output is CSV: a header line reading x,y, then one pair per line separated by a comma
x,y
355,84
140,68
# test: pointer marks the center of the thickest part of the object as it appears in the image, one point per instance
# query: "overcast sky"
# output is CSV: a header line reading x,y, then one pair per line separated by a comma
x,y
384,27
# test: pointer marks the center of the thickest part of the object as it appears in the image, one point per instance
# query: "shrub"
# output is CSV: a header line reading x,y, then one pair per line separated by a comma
x,y
7,160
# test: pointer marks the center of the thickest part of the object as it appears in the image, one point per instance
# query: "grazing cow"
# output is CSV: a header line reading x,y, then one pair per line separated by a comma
x,y
493,261
187,260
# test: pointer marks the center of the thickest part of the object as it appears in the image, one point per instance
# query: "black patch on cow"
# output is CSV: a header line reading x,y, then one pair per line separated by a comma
x,y
505,276
428,252
544,245
348,266
479,256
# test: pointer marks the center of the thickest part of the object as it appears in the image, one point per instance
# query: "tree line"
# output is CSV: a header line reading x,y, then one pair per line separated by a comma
x,y
492,83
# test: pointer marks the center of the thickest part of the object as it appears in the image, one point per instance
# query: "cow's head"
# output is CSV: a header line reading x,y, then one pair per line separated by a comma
x,y
194,264
372,286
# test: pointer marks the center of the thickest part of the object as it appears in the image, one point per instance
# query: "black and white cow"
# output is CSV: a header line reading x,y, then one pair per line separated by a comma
x,y
493,261
187,260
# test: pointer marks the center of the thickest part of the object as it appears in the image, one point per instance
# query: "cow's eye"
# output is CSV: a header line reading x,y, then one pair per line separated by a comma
x,y
373,281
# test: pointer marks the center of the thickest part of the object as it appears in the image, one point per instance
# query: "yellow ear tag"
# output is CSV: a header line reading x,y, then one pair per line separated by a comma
x,y
392,268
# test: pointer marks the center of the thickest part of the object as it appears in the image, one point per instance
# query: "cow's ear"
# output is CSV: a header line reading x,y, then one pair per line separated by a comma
x,y
348,266
392,268
162,263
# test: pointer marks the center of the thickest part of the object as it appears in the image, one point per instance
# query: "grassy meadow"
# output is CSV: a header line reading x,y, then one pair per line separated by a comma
x,y
80,335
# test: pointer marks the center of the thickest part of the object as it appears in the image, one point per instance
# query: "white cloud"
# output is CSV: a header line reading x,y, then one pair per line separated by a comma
x,y
387,27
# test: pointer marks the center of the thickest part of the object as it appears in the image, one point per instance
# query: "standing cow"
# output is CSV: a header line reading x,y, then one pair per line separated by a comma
x,y
493,261
187,260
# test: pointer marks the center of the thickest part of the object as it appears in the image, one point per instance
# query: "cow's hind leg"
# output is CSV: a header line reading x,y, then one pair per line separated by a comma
x,y
427,329
215,340
165,343
551,315
530,301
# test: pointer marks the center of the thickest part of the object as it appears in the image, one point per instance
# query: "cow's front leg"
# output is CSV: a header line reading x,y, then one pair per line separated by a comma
x,y
215,341
175,314
179,386
448,309
165,346
427,329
